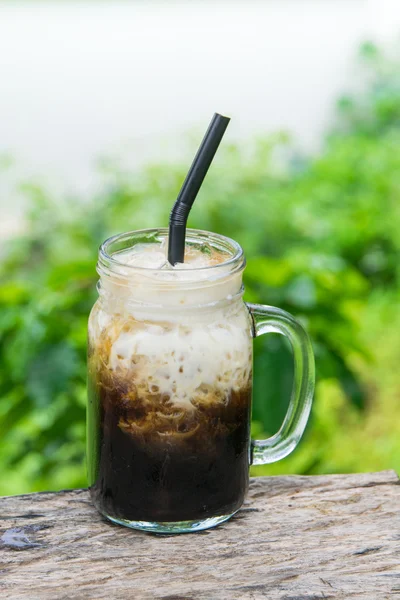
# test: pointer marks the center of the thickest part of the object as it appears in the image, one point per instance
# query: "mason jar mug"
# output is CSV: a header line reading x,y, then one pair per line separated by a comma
x,y
170,384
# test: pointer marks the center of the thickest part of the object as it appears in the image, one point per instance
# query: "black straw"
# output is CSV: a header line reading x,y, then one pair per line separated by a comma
x,y
191,185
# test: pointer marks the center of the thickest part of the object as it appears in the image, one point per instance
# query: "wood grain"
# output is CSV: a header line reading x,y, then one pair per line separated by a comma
x,y
296,538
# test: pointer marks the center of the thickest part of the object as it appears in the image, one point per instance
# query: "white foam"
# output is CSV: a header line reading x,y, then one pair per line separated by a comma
x,y
150,257
179,360
154,256
170,351
146,277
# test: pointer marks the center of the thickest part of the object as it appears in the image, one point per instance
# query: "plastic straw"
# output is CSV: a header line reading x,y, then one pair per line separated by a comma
x,y
191,186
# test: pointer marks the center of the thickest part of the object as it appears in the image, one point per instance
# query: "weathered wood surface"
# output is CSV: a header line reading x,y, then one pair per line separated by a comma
x,y
296,538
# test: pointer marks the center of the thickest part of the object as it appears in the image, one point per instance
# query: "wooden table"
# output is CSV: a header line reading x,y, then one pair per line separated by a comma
x,y
296,538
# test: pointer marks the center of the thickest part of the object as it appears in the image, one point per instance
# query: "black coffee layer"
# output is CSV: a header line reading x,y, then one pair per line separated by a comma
x,y
193,467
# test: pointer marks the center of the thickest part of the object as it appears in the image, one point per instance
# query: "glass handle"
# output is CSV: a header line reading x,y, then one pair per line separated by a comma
x,y
268,319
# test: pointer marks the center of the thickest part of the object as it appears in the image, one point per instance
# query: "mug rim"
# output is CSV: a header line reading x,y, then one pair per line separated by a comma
x,y
236,261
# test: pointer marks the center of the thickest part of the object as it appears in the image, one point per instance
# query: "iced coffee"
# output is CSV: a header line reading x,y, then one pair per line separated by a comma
x,y
170,361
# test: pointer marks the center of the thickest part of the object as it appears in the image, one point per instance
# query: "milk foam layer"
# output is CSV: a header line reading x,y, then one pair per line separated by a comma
x,y
142,274
191,356
153,256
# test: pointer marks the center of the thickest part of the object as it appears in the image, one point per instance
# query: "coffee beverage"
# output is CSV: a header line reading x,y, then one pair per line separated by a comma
x,y
170,361
169,381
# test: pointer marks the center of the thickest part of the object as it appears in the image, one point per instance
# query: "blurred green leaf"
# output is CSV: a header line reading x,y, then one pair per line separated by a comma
x,y
321,237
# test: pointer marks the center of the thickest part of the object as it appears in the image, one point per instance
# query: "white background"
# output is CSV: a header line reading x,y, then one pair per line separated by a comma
x,y
82,79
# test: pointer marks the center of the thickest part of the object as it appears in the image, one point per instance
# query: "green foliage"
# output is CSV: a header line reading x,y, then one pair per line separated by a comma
x,y
321,241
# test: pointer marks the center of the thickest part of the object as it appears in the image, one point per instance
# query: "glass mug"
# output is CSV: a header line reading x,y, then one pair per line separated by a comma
x,y
170,383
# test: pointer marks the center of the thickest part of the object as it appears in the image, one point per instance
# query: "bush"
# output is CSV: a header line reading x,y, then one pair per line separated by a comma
x,y
319,235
